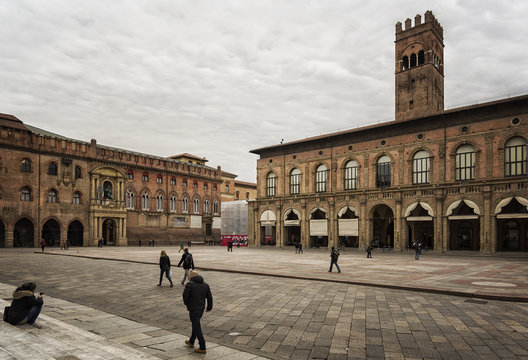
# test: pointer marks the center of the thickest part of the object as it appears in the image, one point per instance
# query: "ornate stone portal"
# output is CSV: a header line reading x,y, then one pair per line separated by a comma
x,y
107,207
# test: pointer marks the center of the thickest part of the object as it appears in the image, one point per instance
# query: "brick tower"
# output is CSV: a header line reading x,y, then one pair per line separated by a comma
x,y
419,67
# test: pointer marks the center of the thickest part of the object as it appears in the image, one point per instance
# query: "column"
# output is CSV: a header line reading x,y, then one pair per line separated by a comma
x,y
9,236
398,225
363,224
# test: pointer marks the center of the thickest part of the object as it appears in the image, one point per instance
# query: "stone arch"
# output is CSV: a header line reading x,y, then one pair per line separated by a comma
x,y
381,217
506,201
51,231
268,217
76,232
291,210
314,211
345,208
456,203
24,233
413,206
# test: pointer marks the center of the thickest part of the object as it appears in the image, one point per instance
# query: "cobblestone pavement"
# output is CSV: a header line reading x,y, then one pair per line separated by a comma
x,y
287,317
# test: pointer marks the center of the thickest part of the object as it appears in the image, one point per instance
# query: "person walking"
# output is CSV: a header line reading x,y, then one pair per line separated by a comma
x,y
195,294
188,264
25,307
368,249
300,248
164,264
42,244
230,245
418,249
181,246
334,255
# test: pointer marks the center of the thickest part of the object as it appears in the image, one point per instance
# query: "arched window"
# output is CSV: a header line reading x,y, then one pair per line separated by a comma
x,y
421,57
405,62
129,200
25,194
52,196
320,178
515,157
206,206
173,204
145,201
215,207
76,198
78,172
108,191
383,174
271,184
421,167
351,175
159,202
413,60
25,165
196,206
295,181
465,163
185,205
52,168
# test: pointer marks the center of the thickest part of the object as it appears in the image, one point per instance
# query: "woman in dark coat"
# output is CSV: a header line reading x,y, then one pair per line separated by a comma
x,y
164,264
25,307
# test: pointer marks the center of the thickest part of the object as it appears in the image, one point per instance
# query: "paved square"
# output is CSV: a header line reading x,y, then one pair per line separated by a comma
x,y
284,317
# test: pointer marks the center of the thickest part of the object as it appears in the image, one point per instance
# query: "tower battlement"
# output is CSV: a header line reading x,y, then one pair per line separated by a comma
x,y
429,21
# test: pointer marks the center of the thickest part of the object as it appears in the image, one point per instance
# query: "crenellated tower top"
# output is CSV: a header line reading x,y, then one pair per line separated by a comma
x,y
419,67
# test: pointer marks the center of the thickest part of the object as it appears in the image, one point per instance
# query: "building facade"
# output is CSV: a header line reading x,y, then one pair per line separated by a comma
x,y
452,180
60,189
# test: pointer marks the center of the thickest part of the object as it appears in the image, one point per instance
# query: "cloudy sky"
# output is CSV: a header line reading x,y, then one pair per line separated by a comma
x,y
218,78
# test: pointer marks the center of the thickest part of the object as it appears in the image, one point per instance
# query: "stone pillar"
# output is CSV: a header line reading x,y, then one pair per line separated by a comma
x,y
398,224
9,237
486,246
363,224
440,240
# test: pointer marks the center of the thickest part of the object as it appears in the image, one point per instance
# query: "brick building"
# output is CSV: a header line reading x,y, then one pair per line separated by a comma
x,y
58,188
452,180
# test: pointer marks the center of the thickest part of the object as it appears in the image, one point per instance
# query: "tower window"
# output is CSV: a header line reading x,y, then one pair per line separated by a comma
x,y
413,60
405,62
421,57
411,104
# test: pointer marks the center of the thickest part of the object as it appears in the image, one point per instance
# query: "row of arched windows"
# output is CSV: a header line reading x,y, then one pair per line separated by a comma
x,y
26,194
515,164
26,166
413,60
130,203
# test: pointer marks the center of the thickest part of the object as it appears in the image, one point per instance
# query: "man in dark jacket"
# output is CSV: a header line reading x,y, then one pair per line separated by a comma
x,y
188,264
195,294
334,255
25,308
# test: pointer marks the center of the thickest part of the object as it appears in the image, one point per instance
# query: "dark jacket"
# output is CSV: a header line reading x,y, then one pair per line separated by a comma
x,y
23,301
195,293
188,266
164,263
334,255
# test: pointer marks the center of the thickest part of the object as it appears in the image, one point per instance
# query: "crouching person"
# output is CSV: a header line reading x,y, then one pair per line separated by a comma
x,y
195,294
25,307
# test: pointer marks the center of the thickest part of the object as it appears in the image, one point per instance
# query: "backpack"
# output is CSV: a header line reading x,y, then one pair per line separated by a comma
x,y
188,260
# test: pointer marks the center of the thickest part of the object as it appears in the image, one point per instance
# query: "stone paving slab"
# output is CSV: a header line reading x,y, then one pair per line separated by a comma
x,y
485,277
86,333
